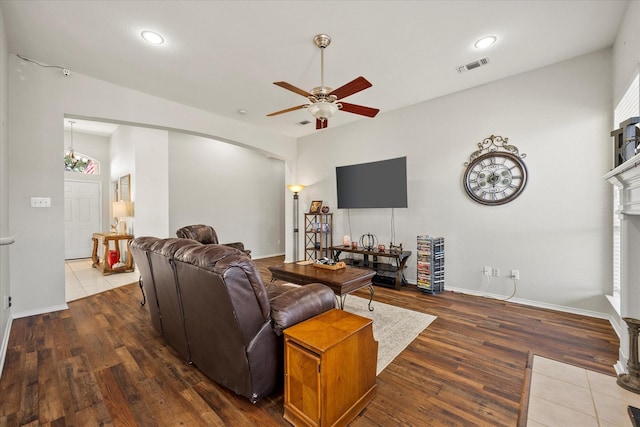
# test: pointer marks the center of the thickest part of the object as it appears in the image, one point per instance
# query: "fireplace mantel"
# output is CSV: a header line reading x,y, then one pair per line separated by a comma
x,y
626,178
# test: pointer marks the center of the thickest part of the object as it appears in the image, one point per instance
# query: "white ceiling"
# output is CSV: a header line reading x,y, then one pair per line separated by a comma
x,y
90,126
222,56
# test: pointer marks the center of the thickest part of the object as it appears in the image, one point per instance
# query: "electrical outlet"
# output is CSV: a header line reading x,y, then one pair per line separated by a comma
x,y
495,272
515,274
41,202
487,271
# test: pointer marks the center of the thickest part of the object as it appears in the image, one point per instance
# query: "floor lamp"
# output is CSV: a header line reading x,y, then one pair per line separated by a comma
x,y
295,189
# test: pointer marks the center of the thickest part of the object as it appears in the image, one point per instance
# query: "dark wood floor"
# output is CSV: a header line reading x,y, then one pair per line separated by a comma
x,y
100,363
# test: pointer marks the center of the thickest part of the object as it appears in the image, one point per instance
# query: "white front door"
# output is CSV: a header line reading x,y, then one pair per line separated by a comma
x,y
82,217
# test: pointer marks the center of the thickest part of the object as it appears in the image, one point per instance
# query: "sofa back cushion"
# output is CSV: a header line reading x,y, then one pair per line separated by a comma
x,y
168,294
224,317
202,233
241,279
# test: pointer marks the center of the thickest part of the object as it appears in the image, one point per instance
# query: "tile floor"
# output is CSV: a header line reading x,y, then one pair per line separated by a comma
x,y
565,395
82,280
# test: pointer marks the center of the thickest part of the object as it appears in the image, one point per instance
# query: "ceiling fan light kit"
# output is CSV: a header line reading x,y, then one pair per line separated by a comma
x,y
323,99
323,110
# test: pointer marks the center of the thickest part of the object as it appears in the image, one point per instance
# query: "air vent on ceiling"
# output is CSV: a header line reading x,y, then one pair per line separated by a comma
x,y
472,65
302,123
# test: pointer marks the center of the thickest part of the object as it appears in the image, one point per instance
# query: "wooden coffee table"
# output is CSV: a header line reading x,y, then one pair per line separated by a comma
x,y
342,281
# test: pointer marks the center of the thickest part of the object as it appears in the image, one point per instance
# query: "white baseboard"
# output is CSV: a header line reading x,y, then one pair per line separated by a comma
x,y
267,256
620,368
572,310
538,304
42,310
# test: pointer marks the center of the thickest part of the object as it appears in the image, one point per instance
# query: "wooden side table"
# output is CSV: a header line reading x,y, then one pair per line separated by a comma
x,y
330,369
104,265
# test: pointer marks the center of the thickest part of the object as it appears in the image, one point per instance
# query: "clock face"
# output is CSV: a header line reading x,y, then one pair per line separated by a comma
x,y
495,178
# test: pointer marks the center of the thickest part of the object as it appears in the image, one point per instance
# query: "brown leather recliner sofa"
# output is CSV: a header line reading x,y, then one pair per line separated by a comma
x,y
207,234
211,305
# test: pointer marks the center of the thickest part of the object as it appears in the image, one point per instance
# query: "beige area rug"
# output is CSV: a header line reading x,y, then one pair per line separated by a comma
x,y
393,327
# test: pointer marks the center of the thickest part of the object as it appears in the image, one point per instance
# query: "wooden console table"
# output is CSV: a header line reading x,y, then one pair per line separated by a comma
x,y
104,265
387,275
330,369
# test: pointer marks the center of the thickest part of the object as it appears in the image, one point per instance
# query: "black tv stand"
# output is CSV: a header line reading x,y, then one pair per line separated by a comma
x,y
387,274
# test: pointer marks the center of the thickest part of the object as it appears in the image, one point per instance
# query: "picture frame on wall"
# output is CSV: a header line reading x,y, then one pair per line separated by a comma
x,y
125,188
315,207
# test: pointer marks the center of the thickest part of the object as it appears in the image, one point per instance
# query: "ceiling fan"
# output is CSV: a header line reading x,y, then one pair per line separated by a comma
x,y
323,99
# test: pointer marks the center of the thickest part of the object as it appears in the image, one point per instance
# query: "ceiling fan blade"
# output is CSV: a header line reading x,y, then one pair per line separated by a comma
x,y
354,86
321,124
292,88
359,109
288,110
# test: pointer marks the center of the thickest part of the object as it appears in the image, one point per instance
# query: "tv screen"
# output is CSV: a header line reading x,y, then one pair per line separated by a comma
x,y
381,184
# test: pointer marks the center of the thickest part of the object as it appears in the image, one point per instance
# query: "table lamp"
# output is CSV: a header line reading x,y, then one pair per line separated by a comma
x,y
121,209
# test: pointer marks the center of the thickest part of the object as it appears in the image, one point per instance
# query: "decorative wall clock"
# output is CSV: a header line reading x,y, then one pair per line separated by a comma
x,y
495,173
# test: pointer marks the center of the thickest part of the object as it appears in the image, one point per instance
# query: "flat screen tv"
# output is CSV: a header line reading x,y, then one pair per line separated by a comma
x,y
381,184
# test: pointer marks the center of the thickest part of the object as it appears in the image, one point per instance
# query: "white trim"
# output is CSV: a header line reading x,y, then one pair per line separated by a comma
x,y
614,300
268,255
42,310
615,327
5,344
564,309
538,304
531,303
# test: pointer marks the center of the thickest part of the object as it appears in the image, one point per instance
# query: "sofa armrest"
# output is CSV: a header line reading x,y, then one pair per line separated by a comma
x,y
299,304
239,246
236,245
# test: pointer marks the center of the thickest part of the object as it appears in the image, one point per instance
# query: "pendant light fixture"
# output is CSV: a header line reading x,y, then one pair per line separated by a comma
x,y
77,162
70,160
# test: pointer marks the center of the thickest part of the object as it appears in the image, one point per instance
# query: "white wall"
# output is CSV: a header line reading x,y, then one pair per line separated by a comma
x,y
5,229
122,152
557,233
236,190
39,99
150,183
626,51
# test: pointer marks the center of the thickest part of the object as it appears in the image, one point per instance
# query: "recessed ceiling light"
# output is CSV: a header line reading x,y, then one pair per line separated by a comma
x,y
485,42
152,37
